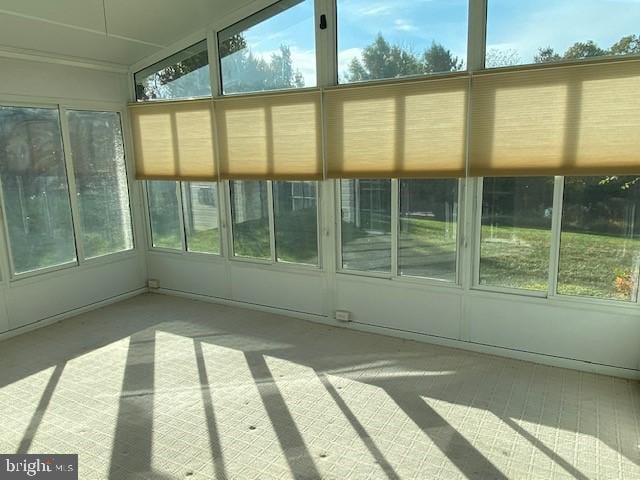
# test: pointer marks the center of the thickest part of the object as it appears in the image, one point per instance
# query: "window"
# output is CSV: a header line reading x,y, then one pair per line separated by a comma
x,y
600,237
250,219
396,39
200,205
34,187
515,235
164,214
296,222
558,30
271,50
101,182
183,75
366,225
427,241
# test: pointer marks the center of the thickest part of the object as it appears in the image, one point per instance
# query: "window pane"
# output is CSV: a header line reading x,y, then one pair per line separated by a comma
x,y
296,222
397,39
101,182
200,204
516,232
366,224
34,183
558,30
183,75
270,50
250,218
600,237
428,228
164,213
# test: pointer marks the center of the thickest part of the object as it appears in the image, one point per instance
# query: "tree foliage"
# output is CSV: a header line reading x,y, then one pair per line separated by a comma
x,y
629,44
242,71
382,59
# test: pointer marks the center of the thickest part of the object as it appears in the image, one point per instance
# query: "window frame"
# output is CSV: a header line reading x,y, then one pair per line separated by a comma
x,y
9,274
183,231
394,273
484,4
551,295
165,61
476,14
272,261
553,249
264,10
328,191
75,209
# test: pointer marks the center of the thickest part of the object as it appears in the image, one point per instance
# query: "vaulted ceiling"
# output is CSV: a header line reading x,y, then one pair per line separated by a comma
x,y
115,31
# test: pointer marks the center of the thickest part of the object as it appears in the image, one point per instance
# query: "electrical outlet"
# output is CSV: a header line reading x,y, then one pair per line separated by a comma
x,y
343,316
153,283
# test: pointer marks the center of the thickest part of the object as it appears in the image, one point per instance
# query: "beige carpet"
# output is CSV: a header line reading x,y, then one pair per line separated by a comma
x,y
160,387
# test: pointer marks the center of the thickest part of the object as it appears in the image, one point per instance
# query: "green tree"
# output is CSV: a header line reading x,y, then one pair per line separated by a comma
x,y
546,55
502,58
382,59
242,71
626,45
584,50
438,59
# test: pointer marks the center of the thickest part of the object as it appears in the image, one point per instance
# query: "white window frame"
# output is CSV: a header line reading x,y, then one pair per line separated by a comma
x,y
80,261
273,259
555,232
328,191
394,273
183,230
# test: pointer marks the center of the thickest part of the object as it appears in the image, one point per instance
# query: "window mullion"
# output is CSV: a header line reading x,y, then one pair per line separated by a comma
x,y
477,35
272,230
183,230
326,44
477,234
71,183
228,218
395,224
556,226
214,63
7,239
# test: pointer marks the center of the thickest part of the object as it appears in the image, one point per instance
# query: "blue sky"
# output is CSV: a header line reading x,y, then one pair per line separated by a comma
x,y
518,26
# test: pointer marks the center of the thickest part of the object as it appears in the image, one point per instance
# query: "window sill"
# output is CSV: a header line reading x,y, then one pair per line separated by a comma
x,y
70,268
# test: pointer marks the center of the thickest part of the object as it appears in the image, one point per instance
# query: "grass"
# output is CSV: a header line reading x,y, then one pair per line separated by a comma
x,y
590,264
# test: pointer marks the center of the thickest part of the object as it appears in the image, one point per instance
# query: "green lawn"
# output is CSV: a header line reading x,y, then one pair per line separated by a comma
x,y
590,264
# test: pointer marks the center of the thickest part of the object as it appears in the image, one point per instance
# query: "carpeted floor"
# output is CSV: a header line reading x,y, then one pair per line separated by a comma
x,y
160,387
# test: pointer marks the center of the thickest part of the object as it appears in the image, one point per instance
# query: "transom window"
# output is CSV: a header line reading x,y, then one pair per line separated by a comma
x,y
398,39
271,50
559,30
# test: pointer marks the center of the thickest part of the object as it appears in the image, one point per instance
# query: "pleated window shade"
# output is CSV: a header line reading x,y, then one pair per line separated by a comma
x,y
408,129
271,136
568,120
174,140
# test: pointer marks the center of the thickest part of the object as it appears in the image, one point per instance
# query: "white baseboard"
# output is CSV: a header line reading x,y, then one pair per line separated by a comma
x,y
534,357
70,313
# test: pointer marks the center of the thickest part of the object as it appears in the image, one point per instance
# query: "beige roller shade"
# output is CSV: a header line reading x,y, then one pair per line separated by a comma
x,y
563,120
270,136
174,140
405,129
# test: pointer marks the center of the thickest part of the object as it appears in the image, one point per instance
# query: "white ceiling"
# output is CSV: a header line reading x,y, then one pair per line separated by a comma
x,y
135,29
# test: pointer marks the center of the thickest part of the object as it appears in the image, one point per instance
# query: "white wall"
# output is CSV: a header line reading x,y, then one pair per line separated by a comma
x,y
570,333
599,336
27,302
